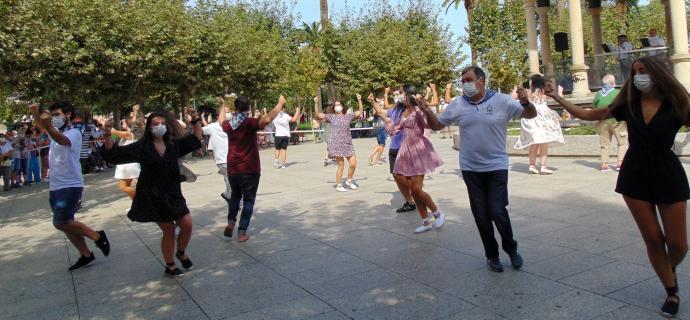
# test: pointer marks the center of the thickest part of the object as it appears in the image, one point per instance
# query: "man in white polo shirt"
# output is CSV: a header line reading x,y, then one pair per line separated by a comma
x,y
282,136
483,117
218,142
66,181
656,42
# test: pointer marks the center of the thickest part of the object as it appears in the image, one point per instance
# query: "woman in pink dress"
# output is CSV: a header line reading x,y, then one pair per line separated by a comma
x,y
416,157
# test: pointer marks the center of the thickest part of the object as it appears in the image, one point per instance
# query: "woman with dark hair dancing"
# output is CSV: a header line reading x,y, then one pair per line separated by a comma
x,y
158,196
416,157
655,106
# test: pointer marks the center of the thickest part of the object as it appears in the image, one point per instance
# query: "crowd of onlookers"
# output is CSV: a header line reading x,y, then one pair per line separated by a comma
x,y
24,152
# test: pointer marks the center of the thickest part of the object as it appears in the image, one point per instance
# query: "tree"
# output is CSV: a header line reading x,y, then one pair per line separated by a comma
x,y
499,40
469,7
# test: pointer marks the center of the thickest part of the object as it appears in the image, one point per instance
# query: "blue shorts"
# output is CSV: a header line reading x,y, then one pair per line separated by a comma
x,y
64,203
17,165
381,136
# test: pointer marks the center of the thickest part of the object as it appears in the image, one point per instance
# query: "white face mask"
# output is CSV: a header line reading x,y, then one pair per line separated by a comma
x,y
469,89
2,140
159,130
58,122
338,109
643,82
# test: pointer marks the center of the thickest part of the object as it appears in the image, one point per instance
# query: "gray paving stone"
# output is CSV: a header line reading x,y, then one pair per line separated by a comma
x,y
294,310
576,304
629,312
333,315
360,282
566,265
400,300
476,313
611,277
313,249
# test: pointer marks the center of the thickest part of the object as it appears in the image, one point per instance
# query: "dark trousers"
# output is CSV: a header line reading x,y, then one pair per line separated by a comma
x,y
488,193
243,187
5,172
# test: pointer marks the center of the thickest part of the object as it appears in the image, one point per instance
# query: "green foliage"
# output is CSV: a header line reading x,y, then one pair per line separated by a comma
x,y
107,55
498,34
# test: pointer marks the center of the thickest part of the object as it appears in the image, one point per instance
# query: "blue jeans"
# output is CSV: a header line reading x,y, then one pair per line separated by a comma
x,y
64,204
243,187
34,170
488,193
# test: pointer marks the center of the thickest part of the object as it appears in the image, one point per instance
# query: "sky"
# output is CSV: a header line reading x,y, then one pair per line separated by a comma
x,y
456,18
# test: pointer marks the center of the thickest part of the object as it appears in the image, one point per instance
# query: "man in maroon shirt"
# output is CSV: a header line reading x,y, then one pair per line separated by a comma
x,y
244,165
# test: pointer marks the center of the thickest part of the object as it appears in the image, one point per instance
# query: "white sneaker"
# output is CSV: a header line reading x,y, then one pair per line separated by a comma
x,y
426,226
282,166
340,188
351,184
439,219
276,164
533,169
545,170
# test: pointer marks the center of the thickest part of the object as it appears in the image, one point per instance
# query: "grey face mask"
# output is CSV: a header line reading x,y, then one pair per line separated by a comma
x,y
469,89
159,130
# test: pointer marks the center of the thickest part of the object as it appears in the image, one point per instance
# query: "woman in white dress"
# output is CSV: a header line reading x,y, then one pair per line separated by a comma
x,y
544,129
127,173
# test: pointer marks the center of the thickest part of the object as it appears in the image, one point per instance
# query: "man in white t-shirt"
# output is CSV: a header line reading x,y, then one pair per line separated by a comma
x,y
656,42
282,136
218,143
66,181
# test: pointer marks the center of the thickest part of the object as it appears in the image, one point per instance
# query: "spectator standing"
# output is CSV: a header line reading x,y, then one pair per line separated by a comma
x,y
5,162
656,42
624,55
610,127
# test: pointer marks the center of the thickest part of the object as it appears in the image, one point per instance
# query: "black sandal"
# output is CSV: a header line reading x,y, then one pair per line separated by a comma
x,y
670,307
171,270
187,263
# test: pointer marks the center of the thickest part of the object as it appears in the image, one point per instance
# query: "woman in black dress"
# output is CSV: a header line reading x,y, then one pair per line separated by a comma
x,y
158,196
655,106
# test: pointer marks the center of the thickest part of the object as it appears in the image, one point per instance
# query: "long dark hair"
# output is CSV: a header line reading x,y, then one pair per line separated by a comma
x,y
410,95
170,124
665,84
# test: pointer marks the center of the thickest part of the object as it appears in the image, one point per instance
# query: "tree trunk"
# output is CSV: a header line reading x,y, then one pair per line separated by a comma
x,y
331,92
323,5
622,10
469,7
560,9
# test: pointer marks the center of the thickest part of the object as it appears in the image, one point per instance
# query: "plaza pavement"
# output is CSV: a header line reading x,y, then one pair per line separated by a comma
x,y
320,255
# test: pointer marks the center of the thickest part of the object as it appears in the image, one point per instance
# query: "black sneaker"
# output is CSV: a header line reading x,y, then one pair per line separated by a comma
x,y
670,307
494,264
82,262
103,243
173,272
406,207
516,260
187,264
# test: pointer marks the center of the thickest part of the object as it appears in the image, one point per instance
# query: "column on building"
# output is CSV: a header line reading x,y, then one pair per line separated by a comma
x,y
679,54
543,7
532,52
598,61
579,68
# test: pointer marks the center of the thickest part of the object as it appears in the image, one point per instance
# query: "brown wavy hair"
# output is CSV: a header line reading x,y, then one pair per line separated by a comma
x,y
665,85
